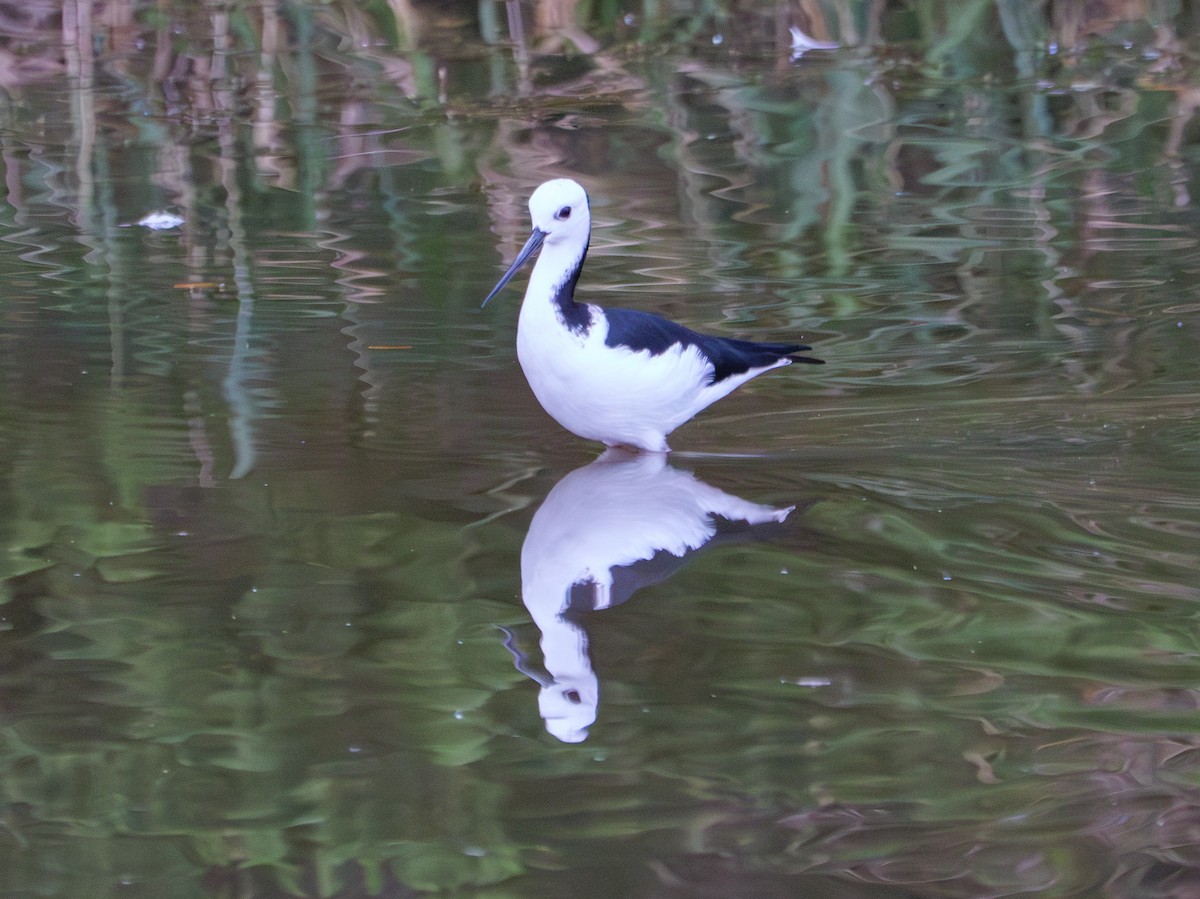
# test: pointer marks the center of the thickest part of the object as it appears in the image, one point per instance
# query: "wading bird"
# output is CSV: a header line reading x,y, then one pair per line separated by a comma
x,y
621,376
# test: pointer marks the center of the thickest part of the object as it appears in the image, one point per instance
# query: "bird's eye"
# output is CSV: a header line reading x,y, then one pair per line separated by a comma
x,y
563,214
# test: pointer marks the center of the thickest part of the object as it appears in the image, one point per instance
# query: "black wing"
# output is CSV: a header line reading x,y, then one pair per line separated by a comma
x,y
654,334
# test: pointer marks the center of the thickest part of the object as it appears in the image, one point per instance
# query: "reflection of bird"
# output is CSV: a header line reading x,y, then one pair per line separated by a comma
x,y
606,529
620,376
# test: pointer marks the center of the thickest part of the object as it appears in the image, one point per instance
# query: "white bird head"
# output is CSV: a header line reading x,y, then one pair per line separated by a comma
x,y
561,218
559,208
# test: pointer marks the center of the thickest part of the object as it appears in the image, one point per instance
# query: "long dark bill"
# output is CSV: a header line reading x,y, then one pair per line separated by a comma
x,y
531,246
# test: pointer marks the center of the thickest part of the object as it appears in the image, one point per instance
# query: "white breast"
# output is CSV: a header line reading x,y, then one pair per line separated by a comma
x,y
604,393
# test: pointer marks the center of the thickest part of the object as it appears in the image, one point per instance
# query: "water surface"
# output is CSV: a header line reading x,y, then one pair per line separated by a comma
x,y
270,474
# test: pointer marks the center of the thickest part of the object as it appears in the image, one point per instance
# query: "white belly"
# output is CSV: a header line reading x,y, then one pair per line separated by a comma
x,y
612,394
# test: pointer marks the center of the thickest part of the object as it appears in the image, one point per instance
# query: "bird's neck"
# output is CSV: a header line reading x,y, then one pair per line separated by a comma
x,y
553,283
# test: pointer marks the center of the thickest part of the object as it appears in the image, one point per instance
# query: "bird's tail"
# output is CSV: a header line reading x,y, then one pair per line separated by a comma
x,y
808,359
788,350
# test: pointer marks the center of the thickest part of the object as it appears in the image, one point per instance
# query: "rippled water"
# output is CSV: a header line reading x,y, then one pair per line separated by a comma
x,y
287,539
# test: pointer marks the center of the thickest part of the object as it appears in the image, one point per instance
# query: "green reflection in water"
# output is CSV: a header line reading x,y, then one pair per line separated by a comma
x,y
268,472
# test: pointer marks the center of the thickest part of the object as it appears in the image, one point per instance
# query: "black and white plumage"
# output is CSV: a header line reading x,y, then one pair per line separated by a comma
x,y
620,376
626,520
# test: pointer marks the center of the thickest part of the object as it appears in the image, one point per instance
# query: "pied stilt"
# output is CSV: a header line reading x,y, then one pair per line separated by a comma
x,y
620,376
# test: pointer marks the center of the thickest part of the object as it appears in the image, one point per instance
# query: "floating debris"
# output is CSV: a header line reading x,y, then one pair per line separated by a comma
x,y
802,43
160,221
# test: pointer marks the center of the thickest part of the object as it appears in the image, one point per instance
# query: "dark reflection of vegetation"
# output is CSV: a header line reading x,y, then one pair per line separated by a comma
x,y
235,708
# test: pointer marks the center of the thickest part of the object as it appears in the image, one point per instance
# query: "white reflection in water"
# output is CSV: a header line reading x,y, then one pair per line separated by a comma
x,y
604,531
